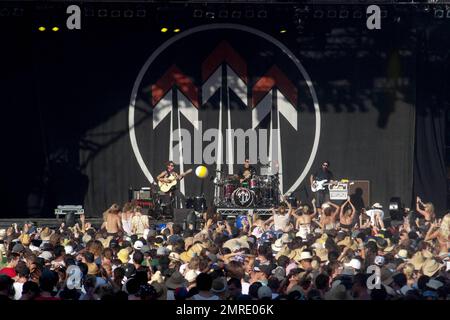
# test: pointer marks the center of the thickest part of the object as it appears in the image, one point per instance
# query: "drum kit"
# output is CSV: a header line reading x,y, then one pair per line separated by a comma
x,y
256,191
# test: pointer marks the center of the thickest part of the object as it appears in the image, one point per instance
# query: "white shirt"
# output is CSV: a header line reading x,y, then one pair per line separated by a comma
x,y
18,290
281,221
372,213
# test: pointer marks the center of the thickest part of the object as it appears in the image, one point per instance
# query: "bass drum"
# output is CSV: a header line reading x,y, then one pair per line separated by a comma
x,y
243,197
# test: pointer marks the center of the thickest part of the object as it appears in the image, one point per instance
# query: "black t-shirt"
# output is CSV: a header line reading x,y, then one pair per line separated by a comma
x,y
250,168
323,175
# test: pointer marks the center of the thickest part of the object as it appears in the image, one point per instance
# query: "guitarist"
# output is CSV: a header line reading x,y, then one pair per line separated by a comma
x,y
323,173
166,176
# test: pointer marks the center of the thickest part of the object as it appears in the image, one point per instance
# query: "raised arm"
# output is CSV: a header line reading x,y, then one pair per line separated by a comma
x,y
418,209
353,208
433,232
341,209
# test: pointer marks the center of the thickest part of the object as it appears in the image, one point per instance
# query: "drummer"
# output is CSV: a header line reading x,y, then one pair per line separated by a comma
x,y
246,172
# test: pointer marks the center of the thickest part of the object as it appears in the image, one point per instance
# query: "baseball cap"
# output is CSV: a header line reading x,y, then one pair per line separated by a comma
x,y
138,245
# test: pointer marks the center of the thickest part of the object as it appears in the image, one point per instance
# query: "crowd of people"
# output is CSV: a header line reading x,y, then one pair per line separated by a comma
x,y
334,252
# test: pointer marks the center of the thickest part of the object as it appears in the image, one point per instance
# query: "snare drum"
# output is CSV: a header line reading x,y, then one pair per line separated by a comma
x,y
243,197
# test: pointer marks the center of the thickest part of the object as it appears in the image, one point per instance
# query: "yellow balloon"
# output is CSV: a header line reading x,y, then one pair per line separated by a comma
x,y
201,172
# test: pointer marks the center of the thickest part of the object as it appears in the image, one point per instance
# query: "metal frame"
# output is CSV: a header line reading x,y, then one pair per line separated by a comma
x,y
233,212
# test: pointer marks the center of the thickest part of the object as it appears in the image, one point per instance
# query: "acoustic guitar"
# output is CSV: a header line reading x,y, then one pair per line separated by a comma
x,y
171,181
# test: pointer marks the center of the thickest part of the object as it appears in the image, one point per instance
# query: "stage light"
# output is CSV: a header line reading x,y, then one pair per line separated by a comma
x,y
115,13
210,15
55,29
249,14
128,13
4,12
198,14
102,13
283,30
41,29
439,13
236,14
357,14
141,13
223,14
262,14
17,12
448,14
89,12
343,14
318,14
176,30
164,29
332,14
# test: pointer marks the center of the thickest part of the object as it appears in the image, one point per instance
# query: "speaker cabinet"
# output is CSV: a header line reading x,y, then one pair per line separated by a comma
x,y
359,193
181,215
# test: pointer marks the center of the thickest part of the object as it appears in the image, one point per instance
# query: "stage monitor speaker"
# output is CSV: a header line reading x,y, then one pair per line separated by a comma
x,y
359,193
181,216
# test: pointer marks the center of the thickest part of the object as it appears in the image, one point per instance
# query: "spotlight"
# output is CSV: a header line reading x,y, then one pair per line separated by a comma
x,y
262,14
223,14
448,14
318,14
331,13
128,13
102,13
141,13
210,15
115,13
55,29
283,30
41,28
236,14
164,29
439,13
176,30
198,14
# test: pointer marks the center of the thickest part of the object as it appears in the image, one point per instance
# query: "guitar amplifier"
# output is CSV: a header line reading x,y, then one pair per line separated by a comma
x,y
143,198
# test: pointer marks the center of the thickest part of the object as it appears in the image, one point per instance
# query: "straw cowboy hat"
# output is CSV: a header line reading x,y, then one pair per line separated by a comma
x,y
278,245
157,278
417,260
348,243
430,267
322,253
236,244
295,254
390,246
285,251
176,280
46,233
174,256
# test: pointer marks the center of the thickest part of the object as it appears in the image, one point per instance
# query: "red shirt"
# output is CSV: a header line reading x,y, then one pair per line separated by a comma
x,y
9,272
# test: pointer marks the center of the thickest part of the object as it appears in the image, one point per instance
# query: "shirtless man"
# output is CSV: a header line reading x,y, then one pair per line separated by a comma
x,y
112,223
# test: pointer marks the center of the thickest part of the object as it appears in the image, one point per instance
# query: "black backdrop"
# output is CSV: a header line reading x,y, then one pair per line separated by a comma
x,y
65,98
